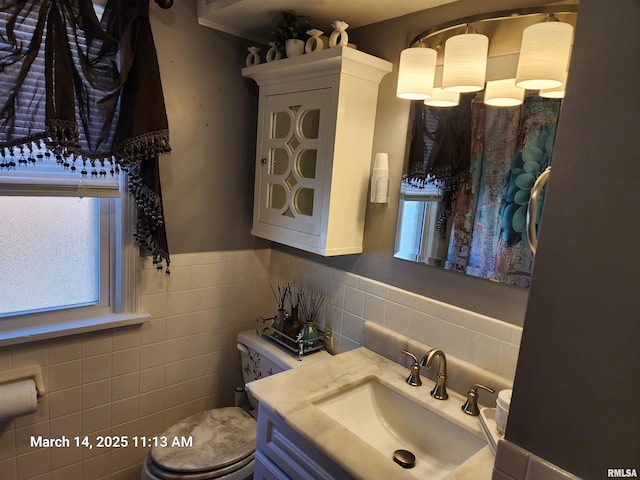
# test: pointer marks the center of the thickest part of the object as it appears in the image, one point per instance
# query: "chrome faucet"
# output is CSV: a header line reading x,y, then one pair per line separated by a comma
x,y
440,390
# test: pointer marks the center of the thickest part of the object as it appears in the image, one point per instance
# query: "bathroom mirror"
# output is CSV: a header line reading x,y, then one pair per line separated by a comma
x,y
469,216
468,173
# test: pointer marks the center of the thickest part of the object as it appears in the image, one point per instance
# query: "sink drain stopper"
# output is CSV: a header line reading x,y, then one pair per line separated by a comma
x,y
404,458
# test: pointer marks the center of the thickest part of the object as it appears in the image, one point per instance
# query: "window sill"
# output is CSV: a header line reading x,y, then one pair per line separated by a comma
x,y
15,336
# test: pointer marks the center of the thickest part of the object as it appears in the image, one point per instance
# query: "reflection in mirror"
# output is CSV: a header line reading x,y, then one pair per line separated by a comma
x,y
467,184
471,166
416,238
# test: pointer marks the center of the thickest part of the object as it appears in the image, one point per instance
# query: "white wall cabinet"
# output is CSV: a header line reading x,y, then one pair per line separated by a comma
x,y
316,117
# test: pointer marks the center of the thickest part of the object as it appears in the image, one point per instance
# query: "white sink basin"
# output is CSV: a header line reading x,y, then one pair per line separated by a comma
x,y
388,421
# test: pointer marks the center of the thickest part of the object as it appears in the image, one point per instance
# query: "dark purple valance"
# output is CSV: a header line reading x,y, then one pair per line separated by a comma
x,y
439,150
87,91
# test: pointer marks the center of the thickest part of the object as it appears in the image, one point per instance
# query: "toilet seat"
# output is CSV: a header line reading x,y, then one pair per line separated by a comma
x,y
223,441
233,472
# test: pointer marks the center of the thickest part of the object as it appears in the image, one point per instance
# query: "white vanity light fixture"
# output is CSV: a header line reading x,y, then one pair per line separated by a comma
x,y
416,73
380,179
544,54
465,62
440,98
503,93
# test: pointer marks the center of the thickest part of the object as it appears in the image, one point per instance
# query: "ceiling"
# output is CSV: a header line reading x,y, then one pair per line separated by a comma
x,y
254,19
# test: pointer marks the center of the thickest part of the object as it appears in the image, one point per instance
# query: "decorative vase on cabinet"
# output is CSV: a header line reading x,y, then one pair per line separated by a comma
x,y
316,117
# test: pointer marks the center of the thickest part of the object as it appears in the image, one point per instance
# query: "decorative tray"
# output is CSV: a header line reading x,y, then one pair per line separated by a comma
x,y
489,427
298,345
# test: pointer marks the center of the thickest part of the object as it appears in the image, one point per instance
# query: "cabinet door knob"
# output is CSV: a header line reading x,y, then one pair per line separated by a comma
x,y
263,161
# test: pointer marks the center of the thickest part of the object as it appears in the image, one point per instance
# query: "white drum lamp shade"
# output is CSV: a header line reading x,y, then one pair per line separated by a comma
x,y
544,55
416,73
440,98
556,92
465,63
503,93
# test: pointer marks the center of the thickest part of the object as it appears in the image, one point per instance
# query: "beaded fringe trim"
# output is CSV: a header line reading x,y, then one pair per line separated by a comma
x,y
60,140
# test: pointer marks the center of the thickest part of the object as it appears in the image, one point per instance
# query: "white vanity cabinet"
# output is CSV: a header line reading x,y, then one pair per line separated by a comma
x,y
316,117
283,454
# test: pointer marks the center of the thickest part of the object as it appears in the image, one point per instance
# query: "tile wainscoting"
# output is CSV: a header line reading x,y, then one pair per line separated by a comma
x,y
351,299
139,380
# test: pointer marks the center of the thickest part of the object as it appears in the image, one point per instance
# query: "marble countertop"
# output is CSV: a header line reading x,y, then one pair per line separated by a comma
x,y
291,395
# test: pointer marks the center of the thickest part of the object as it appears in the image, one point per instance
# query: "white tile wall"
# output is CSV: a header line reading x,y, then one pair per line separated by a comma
x,y
350,299
141,379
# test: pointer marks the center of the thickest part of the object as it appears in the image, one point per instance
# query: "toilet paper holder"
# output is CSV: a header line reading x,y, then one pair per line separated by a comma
x,y
32,372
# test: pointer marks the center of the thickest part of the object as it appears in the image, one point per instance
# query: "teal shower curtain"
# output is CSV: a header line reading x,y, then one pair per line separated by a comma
x,y
510,147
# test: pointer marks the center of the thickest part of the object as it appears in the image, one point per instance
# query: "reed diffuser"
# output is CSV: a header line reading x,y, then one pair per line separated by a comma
x,y
292,325
281,295
310,312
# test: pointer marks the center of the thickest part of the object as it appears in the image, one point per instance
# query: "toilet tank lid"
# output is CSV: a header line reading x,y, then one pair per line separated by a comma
x,y
279,355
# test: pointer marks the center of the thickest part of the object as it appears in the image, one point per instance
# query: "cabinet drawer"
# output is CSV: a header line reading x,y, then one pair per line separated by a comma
x,y
293,454
264,469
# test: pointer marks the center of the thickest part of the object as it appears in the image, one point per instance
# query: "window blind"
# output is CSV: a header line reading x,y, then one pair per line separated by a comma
x,y
41,173
52,181
81,91
24,115
425,193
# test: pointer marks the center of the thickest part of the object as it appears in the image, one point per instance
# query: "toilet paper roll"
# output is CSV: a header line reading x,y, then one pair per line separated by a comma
x,y
18,398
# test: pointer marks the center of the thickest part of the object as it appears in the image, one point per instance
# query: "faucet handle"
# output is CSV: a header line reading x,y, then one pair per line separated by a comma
x,y
470,407
414,376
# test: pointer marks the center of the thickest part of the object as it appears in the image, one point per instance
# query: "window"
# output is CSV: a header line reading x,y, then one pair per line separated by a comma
x,y
44,267
67,253
55,283
83,83
417,238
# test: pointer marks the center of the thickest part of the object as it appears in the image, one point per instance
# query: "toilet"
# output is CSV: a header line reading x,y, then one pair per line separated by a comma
x,y
223,439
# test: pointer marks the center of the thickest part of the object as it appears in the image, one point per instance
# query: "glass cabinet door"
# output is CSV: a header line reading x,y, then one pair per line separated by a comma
x,y
291,172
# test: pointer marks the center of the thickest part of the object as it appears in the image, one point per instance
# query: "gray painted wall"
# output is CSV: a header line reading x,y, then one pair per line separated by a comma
x,y
207,179
386,40
575,397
